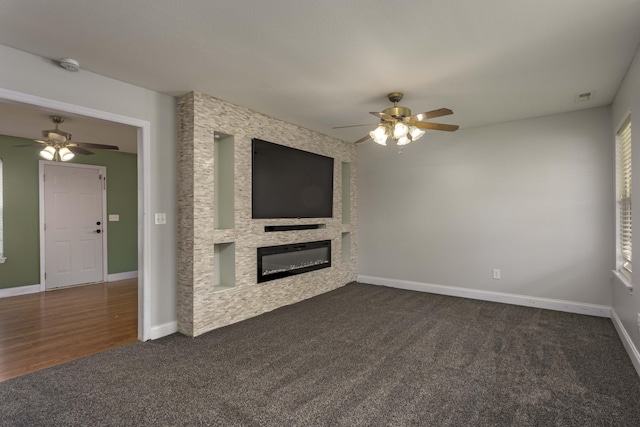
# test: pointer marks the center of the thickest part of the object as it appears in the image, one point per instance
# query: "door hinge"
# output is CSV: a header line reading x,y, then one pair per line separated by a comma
x,y
45,276
45,226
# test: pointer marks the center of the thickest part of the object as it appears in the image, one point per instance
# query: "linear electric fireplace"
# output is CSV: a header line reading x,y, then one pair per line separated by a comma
x,y
275,262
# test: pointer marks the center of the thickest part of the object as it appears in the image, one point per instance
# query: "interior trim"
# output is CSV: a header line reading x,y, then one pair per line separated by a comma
x,y
623,280
19,290
632,351
122,276
524,300
164,330
144,190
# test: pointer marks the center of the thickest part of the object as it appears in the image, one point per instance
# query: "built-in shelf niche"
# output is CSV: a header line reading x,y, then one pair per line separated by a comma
x,y
223,177
346,247
346,193
224,260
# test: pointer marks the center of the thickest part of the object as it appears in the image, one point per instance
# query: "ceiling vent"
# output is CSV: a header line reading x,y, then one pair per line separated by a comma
x,y
584,96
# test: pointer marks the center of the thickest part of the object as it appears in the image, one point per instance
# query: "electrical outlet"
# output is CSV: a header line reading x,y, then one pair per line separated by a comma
x,y
161,218
496,273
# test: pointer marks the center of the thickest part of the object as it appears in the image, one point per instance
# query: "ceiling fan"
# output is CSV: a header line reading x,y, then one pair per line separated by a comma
x,y
58,145
398,124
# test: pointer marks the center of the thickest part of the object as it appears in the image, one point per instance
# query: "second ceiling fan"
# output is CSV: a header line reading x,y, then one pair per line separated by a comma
x,y
58,145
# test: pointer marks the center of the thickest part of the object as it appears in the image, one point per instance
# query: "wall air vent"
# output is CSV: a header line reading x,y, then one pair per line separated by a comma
x,y
584,96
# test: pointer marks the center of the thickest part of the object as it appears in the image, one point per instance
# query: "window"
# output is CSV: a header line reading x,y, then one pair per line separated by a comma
x,y
623,172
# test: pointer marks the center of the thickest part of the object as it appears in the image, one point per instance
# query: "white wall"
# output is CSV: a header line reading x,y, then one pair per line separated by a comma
x,y
627,304
33,75
532,197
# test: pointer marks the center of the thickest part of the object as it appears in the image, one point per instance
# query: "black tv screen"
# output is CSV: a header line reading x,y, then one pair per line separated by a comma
x,y
290,183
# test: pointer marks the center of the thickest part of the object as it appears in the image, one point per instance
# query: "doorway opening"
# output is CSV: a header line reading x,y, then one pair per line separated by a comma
x,y
143,185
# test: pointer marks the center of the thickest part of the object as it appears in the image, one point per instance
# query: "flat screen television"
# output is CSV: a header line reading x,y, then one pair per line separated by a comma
x,y
290,183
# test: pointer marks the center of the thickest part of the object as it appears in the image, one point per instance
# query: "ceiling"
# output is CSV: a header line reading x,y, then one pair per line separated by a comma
x,y
321,64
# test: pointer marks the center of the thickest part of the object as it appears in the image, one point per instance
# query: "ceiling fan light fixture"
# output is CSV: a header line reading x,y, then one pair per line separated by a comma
x,y
65,154
58,146
416,133
379,135
48,153
403,140
382,140
401,126
400,130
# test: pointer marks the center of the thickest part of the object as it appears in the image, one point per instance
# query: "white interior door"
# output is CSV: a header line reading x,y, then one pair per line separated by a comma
x,y
73,224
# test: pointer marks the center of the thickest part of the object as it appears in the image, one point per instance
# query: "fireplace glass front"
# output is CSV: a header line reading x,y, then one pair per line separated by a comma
x,y
275,262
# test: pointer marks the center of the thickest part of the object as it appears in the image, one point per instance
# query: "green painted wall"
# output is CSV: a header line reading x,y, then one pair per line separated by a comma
x,y
20,193
20,214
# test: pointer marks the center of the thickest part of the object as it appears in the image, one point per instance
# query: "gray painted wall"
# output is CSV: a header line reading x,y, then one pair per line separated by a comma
x,y
532,197
34,75
627,304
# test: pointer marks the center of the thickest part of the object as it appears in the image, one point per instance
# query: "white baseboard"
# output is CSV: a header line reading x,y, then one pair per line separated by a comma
x,y
122,276
632,351
19,290
164,330
529,301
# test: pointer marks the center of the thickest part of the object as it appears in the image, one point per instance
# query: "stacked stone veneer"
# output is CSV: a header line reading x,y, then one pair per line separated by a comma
x,y
200,307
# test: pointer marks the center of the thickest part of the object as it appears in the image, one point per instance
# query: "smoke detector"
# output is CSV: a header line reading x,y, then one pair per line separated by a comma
x,y
70,64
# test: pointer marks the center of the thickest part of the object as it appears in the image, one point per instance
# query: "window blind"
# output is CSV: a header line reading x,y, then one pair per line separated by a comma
x,y
624,193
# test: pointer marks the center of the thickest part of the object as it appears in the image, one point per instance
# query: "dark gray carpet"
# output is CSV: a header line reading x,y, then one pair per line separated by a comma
x,y
360,355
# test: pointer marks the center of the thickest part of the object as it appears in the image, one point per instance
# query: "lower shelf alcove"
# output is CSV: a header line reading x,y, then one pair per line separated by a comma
x,y
224,260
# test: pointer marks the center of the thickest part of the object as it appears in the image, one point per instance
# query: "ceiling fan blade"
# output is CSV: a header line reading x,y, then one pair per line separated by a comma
x,y
102,146
383,116
40,141
26,145
363,139
353,126
435,126
431,114
79,150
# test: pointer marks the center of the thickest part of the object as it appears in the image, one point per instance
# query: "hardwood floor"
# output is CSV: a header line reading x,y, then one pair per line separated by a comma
x,y
50,328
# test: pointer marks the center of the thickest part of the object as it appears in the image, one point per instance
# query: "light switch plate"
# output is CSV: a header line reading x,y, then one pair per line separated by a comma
x,y
114,217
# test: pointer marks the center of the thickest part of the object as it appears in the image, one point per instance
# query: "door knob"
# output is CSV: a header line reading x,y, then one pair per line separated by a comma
x,y
98,231
98,223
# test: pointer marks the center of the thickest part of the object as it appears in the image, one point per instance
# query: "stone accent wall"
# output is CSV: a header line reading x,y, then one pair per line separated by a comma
x,y
202,308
